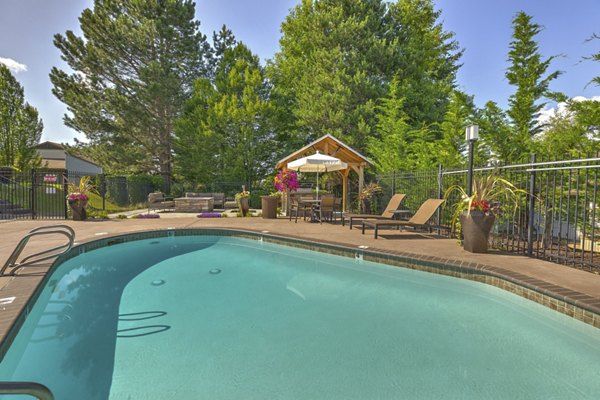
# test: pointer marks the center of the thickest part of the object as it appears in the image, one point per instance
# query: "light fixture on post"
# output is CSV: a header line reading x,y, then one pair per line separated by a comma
x,y
471,135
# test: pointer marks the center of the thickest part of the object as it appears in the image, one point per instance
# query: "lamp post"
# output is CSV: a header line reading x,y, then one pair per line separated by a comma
x,y
471,135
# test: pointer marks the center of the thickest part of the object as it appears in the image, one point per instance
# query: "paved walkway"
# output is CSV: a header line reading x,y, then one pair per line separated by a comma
x,y
418,245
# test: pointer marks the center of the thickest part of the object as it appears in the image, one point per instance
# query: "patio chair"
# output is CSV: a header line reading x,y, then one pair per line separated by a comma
x,y
419,220
388,213
296,206
325,209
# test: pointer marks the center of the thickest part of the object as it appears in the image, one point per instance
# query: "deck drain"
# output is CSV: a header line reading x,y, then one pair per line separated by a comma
x,y
214,271
158,282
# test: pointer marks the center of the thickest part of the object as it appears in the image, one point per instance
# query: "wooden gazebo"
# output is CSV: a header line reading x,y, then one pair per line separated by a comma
x,y
334,147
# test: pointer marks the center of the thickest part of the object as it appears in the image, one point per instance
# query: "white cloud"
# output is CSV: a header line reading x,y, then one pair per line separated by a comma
x,y
560,108
13,65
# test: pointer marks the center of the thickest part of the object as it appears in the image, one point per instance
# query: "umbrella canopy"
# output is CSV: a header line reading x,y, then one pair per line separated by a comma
x,y
317,163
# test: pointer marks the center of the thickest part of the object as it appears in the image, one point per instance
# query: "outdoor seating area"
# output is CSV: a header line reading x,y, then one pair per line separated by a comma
x,y
192,202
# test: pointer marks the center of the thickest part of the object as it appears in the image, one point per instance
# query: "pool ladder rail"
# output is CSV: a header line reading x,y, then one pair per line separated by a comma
x,y
33,389
42,255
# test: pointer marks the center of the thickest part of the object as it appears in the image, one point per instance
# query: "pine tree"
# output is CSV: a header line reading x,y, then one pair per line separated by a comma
x,y
225,133
495,131
329,71
133,70
424,58
20,126
527,72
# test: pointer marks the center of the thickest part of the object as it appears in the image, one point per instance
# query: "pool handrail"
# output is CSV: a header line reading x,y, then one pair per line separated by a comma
x,y
37,390
47,254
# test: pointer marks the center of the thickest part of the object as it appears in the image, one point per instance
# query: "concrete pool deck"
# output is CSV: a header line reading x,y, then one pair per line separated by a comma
x,y
560,280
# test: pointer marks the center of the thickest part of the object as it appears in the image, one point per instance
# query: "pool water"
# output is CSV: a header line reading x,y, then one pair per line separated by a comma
x,y
207,317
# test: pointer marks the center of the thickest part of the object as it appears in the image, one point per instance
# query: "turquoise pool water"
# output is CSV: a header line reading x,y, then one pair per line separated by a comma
x,y
206,317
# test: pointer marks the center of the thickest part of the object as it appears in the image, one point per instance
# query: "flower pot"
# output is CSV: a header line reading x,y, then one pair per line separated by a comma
x,y
78,209
476,228
269,207
244,206
366,206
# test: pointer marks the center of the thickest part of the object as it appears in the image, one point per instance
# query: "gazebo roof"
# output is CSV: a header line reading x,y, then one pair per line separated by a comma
x,y
331,146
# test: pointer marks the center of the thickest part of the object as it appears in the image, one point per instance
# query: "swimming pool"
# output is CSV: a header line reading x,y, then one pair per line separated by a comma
x,y
210,317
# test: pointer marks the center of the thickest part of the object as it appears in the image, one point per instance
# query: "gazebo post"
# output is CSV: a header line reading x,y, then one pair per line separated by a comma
x,y
344,175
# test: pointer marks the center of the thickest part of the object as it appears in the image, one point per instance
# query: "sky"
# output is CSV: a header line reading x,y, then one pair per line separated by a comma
x,y
482,28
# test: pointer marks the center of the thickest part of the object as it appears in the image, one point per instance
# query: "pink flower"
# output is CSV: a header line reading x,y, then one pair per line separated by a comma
x,y
286,180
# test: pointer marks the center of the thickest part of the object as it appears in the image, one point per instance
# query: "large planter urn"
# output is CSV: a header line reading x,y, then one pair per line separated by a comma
x,y
366,205
78,209
244,206
476,228
269,206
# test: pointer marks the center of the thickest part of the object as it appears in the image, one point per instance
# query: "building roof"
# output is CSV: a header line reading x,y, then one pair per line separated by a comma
x,y
57,146
331,146
50,146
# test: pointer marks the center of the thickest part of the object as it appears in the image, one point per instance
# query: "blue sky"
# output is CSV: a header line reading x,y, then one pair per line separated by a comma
x,y
482,27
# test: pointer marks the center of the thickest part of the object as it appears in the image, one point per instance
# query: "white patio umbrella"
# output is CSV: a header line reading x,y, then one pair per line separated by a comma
x,y
317,163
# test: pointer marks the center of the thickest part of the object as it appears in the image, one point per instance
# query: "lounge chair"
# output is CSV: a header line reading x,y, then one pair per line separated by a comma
x,y
419,220
388,213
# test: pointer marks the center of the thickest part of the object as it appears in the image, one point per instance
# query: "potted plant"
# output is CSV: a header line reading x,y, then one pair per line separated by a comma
x,y
365,196
474,215
242,199
78,198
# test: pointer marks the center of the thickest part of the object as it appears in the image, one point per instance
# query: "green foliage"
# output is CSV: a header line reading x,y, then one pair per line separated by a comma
x,y
423,57
328,72
20,126
452,146
133,70
496,133
574,131
527,72
225,133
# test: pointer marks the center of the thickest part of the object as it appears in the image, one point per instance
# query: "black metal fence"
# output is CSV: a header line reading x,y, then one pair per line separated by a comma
x,y
556,220
41,193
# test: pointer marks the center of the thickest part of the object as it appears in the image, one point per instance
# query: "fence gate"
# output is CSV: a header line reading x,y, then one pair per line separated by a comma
x,y
35,194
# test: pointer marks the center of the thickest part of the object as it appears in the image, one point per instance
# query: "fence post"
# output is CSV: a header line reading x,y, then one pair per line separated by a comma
x,y
32,195
103,191
393,182
439,192
65,176
531,196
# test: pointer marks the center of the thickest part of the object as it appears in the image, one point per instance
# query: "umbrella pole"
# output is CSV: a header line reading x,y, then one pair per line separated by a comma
x,y
317,185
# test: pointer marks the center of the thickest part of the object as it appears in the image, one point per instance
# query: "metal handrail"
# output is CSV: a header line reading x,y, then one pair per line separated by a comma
x,y
34,389
47,254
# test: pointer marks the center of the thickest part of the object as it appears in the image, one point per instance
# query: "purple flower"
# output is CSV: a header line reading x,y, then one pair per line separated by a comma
x,y
148,216
209,215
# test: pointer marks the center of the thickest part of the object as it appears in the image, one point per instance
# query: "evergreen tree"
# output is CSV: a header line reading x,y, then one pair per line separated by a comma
x,y
329,71
20,126
225,133
133,71
452,146
527,71
398,146
424,58
573,130
495,132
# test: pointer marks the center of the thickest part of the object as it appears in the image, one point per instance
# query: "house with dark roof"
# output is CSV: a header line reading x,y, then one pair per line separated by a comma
x,y
54,156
